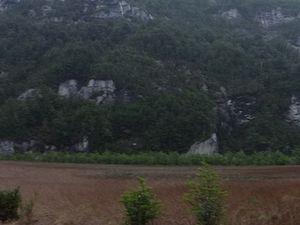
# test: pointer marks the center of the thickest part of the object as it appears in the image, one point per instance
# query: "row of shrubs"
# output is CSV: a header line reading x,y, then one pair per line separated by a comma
x,y
142,207
160,158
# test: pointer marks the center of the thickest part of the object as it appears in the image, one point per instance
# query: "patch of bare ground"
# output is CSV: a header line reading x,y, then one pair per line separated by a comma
x,y
70,194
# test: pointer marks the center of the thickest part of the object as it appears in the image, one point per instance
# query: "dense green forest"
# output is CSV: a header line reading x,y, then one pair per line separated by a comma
x,y
193,68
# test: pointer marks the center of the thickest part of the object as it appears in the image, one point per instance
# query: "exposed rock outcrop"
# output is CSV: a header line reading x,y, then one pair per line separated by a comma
x,y
68,88
243,108
26,146
119,8
295,44
96,87
294,111
101,9
273,17
99,91
207,147
5,4
29,94
82,146
240,110
232,14
7,147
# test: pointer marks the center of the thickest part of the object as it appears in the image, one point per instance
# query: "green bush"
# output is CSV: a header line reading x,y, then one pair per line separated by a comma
x,y
207,197
10,202
141,205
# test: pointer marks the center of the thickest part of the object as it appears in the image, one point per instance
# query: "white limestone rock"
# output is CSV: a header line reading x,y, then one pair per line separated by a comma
x,y
232,14
207,147
68,88
7,147
82,146
117,8
99,91
294,111
273,17
29,94
101,9
97,86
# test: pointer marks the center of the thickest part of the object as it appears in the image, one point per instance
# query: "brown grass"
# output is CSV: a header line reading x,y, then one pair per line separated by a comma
x,y
89,195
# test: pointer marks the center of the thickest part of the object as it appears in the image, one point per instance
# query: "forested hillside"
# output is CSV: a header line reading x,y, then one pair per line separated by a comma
x,y
156,75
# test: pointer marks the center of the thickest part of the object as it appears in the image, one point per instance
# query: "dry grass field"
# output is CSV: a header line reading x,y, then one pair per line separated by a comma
x,y
89,194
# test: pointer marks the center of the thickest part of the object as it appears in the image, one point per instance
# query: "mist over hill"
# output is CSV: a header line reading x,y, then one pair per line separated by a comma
x,y
160,75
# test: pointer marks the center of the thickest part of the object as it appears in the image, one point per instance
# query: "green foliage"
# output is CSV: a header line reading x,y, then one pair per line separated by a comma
x,y
162,158
10,202
141,206
169,121
159,68
207,197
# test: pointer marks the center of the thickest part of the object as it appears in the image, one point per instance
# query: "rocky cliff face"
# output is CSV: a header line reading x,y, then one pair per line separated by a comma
x,y
239,57
273,17
86,9
265,18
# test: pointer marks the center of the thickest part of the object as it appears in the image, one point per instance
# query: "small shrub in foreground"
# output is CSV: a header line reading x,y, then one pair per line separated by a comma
x,y
10,202
207,197
141,206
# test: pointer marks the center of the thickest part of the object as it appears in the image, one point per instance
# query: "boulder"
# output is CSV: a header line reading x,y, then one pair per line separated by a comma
x,y
207,147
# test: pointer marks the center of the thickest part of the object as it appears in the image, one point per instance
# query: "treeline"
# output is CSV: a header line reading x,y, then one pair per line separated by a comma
x,y
165,122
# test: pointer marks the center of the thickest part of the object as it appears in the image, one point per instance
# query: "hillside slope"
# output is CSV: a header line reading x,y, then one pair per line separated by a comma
x,y
156,75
